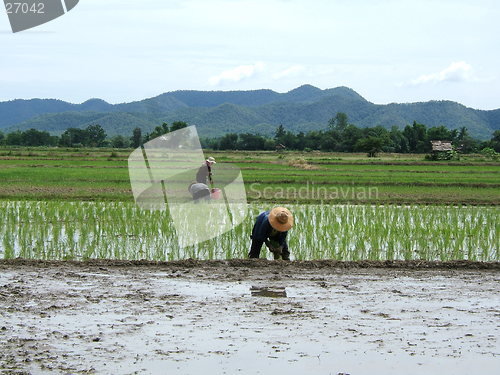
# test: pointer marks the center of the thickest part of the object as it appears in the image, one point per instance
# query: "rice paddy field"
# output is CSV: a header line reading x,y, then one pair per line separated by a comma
x,y
394,269
114,230
67,204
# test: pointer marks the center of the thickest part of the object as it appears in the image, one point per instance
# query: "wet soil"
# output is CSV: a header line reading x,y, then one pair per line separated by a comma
x,y
249,317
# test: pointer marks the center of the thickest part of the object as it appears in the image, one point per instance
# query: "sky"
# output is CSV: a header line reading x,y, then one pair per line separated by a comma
x,y
387,50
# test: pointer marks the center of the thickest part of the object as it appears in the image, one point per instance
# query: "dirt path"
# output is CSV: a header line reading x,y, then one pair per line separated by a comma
x,y
245,317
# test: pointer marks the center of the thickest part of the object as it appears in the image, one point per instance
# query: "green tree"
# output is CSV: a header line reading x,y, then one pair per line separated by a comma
x,y
440,133
96,136
371,145
349,138
468,145
279,134
398,142
14,138
73,137
251,142
300,141
136,139
158,131
177,125
339,122
313,140
119,141
494,143
34,137
463,132
228,142
417,137
328,142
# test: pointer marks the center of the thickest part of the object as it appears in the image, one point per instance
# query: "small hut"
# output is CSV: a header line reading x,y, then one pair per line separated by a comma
x,y
280,147
441,150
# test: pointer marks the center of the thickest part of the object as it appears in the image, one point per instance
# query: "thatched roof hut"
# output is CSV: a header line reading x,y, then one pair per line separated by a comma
x,y
441,146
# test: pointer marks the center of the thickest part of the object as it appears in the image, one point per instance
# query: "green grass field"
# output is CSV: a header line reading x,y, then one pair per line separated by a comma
x,y
102,174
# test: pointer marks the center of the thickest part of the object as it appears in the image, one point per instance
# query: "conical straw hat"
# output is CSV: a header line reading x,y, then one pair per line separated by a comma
x,y
281,219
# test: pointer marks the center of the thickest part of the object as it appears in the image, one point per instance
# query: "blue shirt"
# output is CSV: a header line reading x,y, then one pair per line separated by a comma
x,y
262,230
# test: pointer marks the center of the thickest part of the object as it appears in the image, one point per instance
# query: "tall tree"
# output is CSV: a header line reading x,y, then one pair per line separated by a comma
x,y
280,132
14,138
371,145
229,142
136,139
96,135
34,137
119,141
439,134
339,122
495,141
177,125
158,131
462,133
74,137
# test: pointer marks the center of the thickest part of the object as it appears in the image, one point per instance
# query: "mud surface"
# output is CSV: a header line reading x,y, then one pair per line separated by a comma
x,y
249,317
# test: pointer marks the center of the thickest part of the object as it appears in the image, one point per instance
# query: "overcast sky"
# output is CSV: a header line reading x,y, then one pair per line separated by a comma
x,y
386,50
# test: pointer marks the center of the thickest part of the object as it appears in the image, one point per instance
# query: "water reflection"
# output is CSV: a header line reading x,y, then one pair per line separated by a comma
x,y
268,291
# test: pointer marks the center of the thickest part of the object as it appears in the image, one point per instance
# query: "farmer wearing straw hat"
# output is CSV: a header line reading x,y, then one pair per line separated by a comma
x,y
271,228
204,174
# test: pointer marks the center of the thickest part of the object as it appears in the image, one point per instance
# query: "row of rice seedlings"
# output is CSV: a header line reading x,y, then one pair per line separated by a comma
x,y
370,232
66,230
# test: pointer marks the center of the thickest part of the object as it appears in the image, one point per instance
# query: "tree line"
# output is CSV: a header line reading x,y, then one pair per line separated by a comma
x,y
342,136
339,136
91,136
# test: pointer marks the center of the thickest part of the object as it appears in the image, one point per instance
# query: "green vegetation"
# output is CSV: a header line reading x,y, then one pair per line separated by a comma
x,y
341,136
76,203
290,177
114,230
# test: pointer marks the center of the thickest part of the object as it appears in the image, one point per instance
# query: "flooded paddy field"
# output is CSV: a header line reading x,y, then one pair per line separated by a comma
x,y
119,230
249,317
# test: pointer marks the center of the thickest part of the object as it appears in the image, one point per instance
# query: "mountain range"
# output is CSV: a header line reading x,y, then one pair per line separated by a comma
x,y
258,111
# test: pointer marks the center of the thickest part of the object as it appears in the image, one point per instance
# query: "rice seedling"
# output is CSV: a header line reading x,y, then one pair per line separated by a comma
x,y
115,230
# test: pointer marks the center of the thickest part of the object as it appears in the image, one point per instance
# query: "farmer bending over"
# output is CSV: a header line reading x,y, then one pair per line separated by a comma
x,y
271,228
204,174
199,191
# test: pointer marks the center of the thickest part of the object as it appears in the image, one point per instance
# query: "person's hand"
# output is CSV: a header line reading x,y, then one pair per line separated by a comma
x,y
277,250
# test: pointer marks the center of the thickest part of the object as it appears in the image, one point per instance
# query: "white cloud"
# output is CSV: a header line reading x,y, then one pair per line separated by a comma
x,y
457,72
291,71
237,74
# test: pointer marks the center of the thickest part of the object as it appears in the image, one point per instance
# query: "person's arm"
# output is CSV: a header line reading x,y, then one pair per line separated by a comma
x,y
210,174
282,238
261,228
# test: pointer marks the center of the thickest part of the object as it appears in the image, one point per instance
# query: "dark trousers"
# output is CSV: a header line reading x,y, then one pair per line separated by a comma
x,y
257,246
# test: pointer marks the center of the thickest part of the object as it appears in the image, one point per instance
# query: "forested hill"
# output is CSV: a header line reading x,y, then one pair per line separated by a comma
x,y
258,111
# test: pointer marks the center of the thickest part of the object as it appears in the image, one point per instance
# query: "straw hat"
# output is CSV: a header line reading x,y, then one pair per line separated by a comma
x,y
211,160
281,219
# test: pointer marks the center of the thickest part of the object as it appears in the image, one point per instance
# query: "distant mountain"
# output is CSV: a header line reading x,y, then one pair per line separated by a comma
x,y
218,112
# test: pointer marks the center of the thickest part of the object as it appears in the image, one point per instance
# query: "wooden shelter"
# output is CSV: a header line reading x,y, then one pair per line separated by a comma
x,y
441,150
280,147
441,146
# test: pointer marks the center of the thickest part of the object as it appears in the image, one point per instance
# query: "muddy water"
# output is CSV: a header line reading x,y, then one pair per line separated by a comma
x,y
105,319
